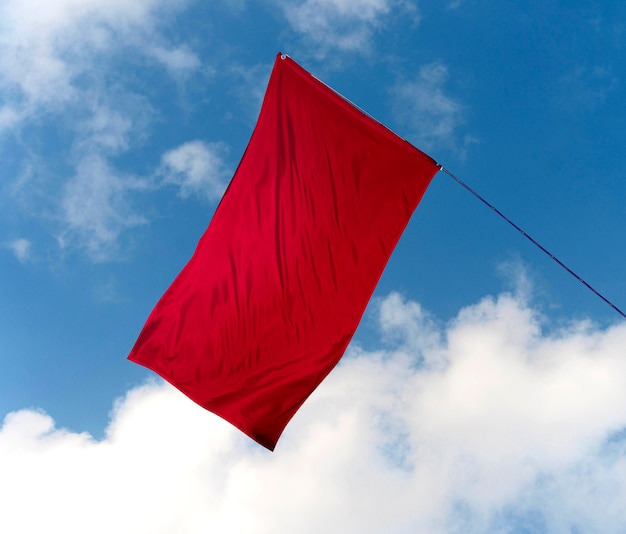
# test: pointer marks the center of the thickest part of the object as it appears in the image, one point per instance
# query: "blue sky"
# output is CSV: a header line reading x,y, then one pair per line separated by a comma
x,y
485,388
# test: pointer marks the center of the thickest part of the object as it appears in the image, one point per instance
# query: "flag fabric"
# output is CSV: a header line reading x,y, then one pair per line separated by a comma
x,y
278,283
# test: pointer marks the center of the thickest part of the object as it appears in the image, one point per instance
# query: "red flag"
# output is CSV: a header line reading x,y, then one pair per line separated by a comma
x,y
279,281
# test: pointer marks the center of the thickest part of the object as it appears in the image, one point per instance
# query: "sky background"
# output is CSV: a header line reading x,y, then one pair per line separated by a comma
x,y
485,390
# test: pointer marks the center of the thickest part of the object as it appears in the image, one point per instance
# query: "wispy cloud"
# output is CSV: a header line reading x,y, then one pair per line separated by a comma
x,y
96,207
47,47
107,291
250,86
341,25
491,423
427,112
586,88
9,118
58,70
21,248
455,4
178,60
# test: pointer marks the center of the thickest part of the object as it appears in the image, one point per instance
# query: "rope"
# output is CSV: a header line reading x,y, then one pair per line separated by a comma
x,y
543,249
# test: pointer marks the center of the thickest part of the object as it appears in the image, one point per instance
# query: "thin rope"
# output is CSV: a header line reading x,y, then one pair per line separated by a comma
x,y
496,210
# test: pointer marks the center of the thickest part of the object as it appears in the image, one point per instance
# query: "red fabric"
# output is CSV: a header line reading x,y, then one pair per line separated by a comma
x,y
269,301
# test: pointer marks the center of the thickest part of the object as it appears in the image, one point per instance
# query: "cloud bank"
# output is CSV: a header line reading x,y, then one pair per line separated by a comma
x,y
490,423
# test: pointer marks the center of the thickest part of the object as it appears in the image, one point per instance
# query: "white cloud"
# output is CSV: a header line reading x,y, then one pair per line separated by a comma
x,y
343,25
107,129
197,168
46,45
21,248
96,207
59,70
9,117
455,4
489,424
432,117
176,60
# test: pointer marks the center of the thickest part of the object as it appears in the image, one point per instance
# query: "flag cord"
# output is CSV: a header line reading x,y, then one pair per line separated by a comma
x,y
543,249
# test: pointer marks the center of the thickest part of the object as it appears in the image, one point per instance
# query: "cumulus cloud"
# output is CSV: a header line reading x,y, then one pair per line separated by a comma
x,y
343,25
431,116
490,423
197,168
